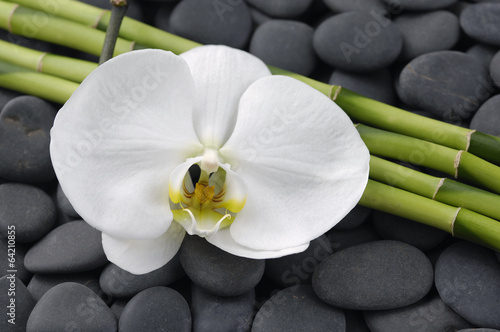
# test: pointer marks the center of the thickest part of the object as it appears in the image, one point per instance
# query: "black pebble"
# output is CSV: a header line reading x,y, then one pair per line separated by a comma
x,y
16,302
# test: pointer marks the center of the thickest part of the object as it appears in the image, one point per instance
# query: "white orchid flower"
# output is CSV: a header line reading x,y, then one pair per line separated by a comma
x,y
280,163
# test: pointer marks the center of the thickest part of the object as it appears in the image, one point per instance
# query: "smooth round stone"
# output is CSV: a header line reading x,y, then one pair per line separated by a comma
x,y
487,117
483,53
468,280
342,239
358,41
449,84
26,208
70,248
118,306
25,124
162,16
374,85
339,6
22,273
117,282
420,4
495,69
258,17
280,8
377,275
480,21
286,45
213,22
427,32
64,204
354,218
221,313
16,302
429,315
156,309
296,269
71,307
42,283
218,271
354,321
479,330
6,95
297,309
421,236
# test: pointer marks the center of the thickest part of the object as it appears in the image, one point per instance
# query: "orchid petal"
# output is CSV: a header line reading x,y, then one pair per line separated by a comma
x,y
178,177
221,75
118,138
223,240
235,192
143,256
304,164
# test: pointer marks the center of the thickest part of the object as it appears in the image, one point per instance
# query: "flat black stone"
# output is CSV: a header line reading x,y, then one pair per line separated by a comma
x,y
427,32
26,208
487,117
377,275
64,204
296,269
71,307
70,248
495,69
117,282
16,302
421,236
298,309
42,283
212,22
409,5
25,123
428,314
358,41
20,252
280,8
222,313
483,53
340,6
285,44
342,239
450,84
468,280
354,218
217,271
156,309
480,21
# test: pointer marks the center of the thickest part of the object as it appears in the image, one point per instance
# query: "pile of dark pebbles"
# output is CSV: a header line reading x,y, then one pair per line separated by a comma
x,y
371,272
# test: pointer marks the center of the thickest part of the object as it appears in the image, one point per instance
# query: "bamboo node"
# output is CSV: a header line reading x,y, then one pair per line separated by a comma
x,y
39,66
99,17
457,162
9,19
453,221
132,45
469,135
441,181
334,92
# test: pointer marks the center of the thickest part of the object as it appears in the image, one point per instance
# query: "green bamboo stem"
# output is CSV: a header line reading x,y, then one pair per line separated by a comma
x,y
34,24
64,67
440,189
459,222
37,84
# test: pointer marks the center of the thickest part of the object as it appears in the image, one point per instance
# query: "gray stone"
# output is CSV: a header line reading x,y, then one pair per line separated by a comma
x,y
70,248
487,117
16,302
281,8
296,269
374,85
26,210
6,95
483,53
340,6
450,84
64,204
479,330
420,4
358,41
117,282
480,21
221,313
25,124
217,271
225,22
18,254
495,69
355,321
156,309
421,236
118,306
468,280
354,218
377,275
297,309
429,315
285,44
427,32
342,239
71,307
